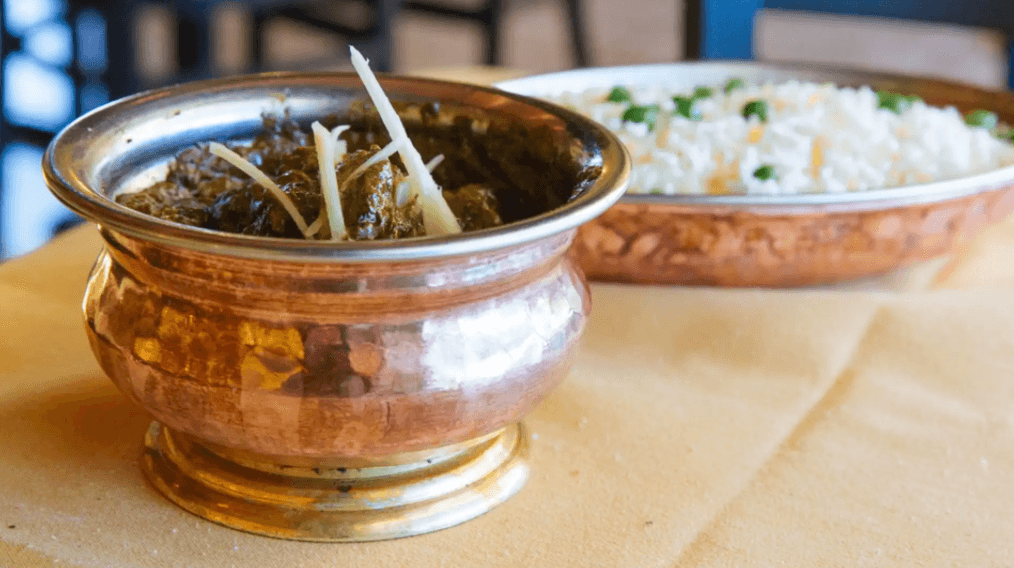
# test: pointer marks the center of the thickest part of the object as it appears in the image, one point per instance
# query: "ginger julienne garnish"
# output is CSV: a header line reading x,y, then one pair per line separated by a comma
x,y
266,182
310,180
328,180
437,215
362,176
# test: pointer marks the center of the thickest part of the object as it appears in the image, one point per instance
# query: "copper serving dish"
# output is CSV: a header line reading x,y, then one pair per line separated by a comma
x,y
740,240
317,390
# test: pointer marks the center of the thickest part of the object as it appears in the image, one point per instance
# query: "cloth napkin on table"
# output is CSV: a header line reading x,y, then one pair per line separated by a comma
x,y
699,427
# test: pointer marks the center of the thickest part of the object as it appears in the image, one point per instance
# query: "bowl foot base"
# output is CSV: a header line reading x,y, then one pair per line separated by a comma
x,y
336,503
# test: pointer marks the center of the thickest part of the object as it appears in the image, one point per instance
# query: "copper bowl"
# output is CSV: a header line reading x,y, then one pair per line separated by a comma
x,y
745,240
317,390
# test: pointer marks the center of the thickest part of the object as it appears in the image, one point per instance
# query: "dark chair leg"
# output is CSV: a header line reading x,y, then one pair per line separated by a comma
x,y
193,45
375,43
692,29
121,72
257,23
1010,63
577,36
492,20
383,34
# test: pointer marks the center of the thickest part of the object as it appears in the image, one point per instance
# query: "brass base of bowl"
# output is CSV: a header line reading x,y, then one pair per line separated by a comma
x,y
333,501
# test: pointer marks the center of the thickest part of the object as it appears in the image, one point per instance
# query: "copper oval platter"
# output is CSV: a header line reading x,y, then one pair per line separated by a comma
x,y
792,240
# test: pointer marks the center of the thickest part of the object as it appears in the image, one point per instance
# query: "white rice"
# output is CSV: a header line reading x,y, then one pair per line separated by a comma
x,y
818,138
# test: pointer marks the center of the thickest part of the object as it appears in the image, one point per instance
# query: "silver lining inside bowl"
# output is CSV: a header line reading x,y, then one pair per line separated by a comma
x,y
124,144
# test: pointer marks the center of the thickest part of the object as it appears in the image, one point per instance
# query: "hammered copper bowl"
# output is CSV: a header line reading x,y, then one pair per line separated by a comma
x,y
318,390
748,240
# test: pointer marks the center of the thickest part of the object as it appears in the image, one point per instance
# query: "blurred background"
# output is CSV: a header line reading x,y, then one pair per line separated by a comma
x,y
64,57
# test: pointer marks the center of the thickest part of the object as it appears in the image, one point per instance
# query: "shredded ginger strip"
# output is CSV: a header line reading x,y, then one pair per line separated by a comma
x,y
401,195
437,216
316,225
432,164
382,154
260,177
340,147
328,180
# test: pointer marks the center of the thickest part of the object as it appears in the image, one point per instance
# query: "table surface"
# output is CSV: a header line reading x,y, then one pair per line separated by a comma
x,y
863,425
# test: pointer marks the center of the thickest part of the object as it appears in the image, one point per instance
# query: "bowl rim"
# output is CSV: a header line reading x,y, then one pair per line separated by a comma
x,y
913,194
61,176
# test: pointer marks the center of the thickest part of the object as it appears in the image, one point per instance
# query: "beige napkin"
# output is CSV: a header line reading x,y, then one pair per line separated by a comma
x,y
699,427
